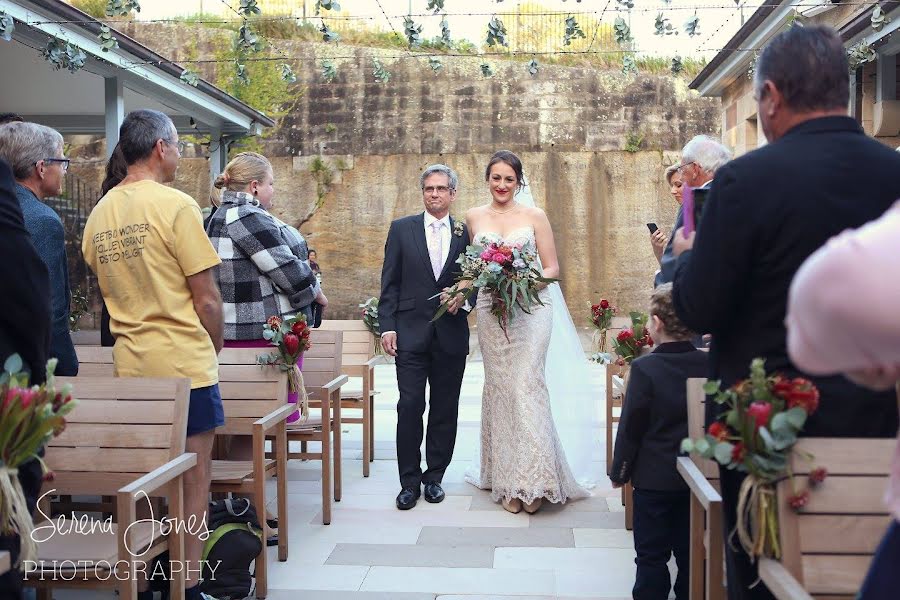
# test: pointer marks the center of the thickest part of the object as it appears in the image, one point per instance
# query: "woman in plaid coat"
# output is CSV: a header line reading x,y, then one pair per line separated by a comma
x,y
265,269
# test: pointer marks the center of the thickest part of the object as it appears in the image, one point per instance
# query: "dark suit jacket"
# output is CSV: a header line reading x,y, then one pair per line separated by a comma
x,y
654,417
767,212
407,283
25,302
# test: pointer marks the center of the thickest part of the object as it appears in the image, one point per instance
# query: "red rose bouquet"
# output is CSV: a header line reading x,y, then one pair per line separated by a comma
x,y
291,338
508,272
601,318
756,435
629,342
29,418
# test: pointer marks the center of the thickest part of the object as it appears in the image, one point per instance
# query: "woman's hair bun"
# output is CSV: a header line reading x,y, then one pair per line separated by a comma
x,y
221,181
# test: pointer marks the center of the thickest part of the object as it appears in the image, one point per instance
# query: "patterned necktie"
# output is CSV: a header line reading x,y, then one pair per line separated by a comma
x,y
435,248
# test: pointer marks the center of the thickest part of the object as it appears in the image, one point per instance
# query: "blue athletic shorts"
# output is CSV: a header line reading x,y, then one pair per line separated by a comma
x,y
205,412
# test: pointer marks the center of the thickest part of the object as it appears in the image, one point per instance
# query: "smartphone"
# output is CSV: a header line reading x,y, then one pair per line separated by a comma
x,y
652,227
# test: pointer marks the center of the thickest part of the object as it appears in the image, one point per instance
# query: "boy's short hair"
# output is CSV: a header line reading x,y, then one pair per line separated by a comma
x,y
662,306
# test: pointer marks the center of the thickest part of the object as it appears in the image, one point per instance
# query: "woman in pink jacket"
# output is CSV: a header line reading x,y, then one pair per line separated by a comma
x,y
843,318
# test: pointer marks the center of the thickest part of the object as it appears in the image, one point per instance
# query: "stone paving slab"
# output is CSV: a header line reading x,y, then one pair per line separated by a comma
x,y
339,595
603,538
401,555
497,537
572,519
461,581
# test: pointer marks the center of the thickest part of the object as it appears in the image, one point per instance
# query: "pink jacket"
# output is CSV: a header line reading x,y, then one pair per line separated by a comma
x,y
842,309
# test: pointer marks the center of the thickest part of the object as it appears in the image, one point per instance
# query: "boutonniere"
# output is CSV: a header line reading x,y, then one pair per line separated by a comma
x,y
458,228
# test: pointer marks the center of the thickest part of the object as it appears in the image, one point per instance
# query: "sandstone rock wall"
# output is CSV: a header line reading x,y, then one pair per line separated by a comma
x,y
570,125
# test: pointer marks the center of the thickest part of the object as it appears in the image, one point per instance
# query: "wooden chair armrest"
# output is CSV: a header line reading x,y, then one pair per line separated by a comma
x,y
156,478
275,417
335,384
700,487
780,582
374,362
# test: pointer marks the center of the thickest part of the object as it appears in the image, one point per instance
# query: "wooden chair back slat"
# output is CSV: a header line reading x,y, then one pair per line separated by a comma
x,y
326,347
120,428
358,345
828,546
696,410
249,390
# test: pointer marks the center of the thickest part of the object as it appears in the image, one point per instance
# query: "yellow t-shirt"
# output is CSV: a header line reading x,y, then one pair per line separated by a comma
x,y
143,240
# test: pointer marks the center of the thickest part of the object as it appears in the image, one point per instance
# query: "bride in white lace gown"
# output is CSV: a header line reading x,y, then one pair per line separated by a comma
x,y
522,459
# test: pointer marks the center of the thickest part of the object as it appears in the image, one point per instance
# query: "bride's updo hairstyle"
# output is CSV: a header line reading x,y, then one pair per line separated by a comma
x,y
507,157
240,171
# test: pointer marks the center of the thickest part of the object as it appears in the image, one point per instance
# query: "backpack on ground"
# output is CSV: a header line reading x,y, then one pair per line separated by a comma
x,y
235,540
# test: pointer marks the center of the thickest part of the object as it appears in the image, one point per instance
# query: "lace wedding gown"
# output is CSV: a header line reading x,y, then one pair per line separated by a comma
x,y
521,455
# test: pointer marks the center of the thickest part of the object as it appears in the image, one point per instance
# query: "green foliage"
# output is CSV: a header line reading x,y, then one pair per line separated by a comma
x,y
629,66
327,5
622,31
121,8
190,77
330,127
107,40
677,65
692,26
435,64
445,33
412,31
287,73
259,84
533,67
7,26
247,39
664,26
248,8
633,141
327,34
573,31
329,71
496,33
879,19
380,73
63,55
487,70
79,307
324,176
625,4
435,5
94,8
860,54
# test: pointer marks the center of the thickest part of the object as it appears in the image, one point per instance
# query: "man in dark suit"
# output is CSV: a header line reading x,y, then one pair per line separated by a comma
x,y
767,212
24,330
419,264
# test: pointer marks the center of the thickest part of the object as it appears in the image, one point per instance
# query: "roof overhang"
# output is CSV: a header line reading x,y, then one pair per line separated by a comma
x,y
74,103
734,59
859,29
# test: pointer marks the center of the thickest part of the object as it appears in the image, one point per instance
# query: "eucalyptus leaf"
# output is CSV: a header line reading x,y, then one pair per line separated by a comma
x,y
249,8
496,33
327,34
711,387
189,77
677,65
329,71
796,417
622,31
702,447
7,26
692,26
767,439
436,5
380,73
488,71
532,67
13,364
687,445
287,74
436,65
722,452
412,31
445,33
573,31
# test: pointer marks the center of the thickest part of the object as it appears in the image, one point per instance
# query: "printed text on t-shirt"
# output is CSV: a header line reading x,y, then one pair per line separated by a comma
x,y
123,243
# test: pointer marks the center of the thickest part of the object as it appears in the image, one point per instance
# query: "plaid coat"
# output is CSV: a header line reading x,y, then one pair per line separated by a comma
x,y
265,269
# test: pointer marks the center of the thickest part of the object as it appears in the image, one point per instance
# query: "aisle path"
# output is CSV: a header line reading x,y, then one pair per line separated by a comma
x,y
464,548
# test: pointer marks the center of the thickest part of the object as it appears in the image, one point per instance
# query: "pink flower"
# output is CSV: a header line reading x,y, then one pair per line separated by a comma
x,y
26,397
487,254
499,258
817,476
798,501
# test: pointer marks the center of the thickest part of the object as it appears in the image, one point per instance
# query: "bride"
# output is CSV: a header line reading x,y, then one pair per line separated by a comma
x,y
523,461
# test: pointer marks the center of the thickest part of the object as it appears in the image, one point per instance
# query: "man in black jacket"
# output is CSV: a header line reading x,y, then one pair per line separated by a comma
x,y
654,421
24,330
420,263
769,210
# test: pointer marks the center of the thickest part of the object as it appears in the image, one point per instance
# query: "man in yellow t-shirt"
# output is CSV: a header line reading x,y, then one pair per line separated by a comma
x,y
154,262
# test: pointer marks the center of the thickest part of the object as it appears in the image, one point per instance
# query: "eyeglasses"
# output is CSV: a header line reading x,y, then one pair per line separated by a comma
x,y
685,165
63,161
180,146
440,189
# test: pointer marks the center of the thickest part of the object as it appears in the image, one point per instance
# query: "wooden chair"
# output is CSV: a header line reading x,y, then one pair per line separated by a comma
x,y
126,439
255,401
616,399
323,380
359,360
828,546
707,553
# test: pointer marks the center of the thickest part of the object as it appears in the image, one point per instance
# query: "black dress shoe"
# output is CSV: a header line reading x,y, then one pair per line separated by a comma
x,y
407,497
433,492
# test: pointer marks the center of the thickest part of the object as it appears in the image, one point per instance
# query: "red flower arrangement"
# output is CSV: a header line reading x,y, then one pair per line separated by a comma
x,y
629,342
756,435
291,338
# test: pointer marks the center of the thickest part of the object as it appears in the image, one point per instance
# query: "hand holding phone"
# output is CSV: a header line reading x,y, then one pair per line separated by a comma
x,y
652,227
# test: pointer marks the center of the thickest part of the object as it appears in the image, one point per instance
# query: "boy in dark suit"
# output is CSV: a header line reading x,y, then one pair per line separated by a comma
x,y
654,421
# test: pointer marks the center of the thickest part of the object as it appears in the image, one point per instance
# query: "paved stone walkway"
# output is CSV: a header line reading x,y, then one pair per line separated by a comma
x,y
466,548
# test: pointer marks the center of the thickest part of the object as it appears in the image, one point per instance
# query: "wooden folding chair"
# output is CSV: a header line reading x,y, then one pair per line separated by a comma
x,y
359,360
828,546
125,438
255,402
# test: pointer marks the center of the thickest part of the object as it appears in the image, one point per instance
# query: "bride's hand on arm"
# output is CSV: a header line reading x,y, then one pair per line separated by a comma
x,y
546,247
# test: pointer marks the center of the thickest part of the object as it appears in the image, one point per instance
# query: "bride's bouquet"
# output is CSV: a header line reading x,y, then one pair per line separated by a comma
x,y
508,272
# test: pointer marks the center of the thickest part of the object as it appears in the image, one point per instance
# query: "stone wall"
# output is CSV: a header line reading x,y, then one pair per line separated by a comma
x,y
570,125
